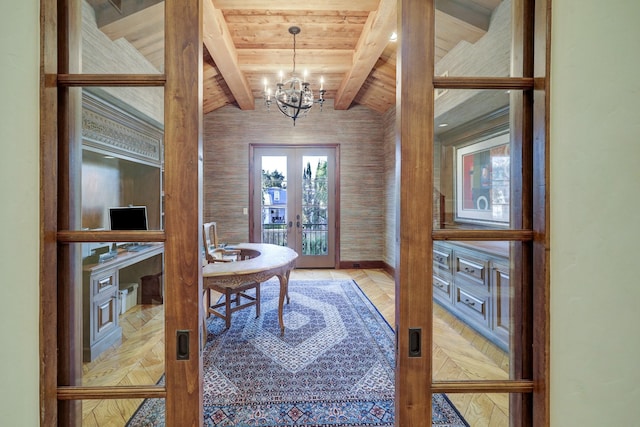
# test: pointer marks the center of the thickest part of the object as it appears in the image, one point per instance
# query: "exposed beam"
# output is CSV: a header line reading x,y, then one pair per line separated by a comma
x,y
372,42
217,40
216,92
319,61
107,11
137,24
361,5
469,12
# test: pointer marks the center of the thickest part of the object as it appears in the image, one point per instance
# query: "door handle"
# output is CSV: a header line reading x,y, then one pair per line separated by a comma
x,y
290,224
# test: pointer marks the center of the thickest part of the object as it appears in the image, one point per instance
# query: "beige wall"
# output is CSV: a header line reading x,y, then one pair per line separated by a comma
x,y
19,213
595,345
228,132
595,213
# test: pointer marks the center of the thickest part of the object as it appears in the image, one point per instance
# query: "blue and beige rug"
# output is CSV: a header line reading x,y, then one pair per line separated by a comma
x,y
333,367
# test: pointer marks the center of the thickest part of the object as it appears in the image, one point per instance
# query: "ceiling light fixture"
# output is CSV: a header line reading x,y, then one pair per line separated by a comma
x,y
293,97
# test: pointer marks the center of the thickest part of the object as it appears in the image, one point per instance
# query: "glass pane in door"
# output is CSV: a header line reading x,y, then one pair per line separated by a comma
x,y
473,289
315,213
476,166
122,412
274,200
473,39
122,37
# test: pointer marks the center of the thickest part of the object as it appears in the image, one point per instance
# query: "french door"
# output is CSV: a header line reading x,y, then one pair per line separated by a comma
x,y
478,112
120,131
294,201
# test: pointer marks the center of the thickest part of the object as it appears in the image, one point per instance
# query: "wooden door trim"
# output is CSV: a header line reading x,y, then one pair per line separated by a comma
x,y
48,213
414,255
183,208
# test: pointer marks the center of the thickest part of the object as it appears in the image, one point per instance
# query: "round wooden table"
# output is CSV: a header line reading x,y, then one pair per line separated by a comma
x,y
265,261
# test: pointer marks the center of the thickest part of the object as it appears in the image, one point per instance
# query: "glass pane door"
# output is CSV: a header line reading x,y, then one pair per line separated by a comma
x,y
314,222
296,212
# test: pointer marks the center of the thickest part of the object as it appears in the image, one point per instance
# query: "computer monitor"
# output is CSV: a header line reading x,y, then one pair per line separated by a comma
x,y
128,218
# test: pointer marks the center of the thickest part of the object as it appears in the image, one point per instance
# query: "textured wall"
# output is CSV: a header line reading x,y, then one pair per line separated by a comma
x,y
359,131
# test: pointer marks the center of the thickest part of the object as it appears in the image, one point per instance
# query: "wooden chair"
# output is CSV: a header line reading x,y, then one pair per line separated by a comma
x,y
231,295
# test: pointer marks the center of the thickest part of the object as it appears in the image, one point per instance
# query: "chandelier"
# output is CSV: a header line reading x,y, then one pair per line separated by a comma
x,y
293,97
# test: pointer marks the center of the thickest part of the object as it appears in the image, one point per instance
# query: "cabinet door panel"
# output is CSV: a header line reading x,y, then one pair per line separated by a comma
x,y
105,320
501,294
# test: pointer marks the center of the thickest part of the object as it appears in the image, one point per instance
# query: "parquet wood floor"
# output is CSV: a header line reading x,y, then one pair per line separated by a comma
x,y
459,353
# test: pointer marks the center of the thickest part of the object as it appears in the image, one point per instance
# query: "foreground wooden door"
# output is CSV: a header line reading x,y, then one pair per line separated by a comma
x,y
294,201
80,309
426,205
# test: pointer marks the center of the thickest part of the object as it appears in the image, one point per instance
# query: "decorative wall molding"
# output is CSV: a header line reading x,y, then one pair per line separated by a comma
x,y
108,128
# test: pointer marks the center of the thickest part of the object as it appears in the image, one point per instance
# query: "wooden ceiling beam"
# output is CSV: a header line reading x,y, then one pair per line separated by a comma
x,y
466,11
112,11
372,42
317,5
142,23
218,42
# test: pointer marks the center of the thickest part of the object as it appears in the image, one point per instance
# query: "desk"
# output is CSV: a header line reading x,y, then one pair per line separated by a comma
x,y
268,261
101,283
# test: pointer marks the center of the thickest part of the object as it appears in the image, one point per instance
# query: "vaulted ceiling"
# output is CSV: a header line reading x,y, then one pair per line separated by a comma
x,y
346,42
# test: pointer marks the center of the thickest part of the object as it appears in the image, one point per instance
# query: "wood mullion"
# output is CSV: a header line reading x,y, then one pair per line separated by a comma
x,y
111,392
483,235
71,236
48,217
541,245
489,386
506,83
111,80
68,212
522,213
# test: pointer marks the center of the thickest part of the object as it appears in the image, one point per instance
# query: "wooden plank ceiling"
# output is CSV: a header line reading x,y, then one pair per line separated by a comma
x,y
346,42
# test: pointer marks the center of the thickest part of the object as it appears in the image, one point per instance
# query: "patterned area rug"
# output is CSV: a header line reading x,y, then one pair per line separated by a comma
x,y
333,367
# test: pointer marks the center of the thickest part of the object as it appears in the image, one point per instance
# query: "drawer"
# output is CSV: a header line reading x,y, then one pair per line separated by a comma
x,y
473,305
441,260
105,283
471,268
442,288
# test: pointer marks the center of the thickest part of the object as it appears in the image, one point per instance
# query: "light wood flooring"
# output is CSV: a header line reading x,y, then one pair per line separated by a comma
x,y
459,353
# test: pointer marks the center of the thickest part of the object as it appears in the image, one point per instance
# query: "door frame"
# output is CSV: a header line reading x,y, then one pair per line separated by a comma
x,y
252,189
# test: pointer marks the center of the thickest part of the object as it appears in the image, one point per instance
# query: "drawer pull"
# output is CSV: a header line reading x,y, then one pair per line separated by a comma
x,y
469,270
469,302
440,285
105,283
